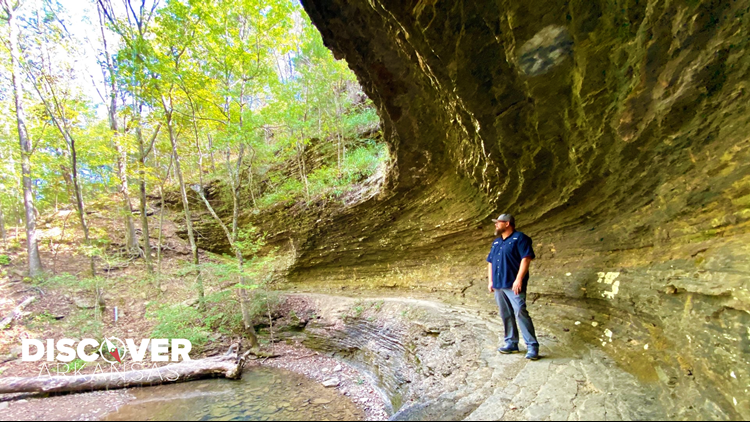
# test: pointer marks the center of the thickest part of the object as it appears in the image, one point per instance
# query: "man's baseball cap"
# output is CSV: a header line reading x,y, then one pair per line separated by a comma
x,y
507,218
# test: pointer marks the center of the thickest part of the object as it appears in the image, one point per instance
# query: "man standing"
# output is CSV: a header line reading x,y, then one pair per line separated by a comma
x,y
508,274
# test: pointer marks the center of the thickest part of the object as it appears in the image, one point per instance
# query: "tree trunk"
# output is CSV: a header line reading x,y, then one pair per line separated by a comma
x,y
60,120
131,240
161,218
161,231
229,365
57,247
251,180
339,155
236,183
3,234
301,145
197,141
211,150
82,214
186,206
144,222
247,319
235,180
142,155
32,246
300,156
79,201
17,225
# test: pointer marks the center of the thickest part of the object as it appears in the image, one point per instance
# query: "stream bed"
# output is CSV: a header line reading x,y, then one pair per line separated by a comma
x,y
263,394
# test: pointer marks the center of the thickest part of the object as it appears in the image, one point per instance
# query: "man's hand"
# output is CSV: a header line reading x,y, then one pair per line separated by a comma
x,y
517,285
489,277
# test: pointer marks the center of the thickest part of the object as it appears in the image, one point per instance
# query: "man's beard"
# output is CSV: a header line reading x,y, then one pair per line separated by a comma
x,y
497,232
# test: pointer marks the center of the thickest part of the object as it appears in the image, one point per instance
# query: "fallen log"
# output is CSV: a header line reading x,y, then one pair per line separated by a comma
x,y
15,313
228,365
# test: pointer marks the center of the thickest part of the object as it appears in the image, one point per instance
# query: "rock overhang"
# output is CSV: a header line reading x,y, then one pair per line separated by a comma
x,y
617,134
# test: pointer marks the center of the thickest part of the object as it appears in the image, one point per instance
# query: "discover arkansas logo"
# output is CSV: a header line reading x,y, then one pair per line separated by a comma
x,y
66,353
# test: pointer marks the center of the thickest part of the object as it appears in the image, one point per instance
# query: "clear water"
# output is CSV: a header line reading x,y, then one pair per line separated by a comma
x,y
263,394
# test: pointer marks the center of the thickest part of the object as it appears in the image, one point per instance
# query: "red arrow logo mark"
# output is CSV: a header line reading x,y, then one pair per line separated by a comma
x,y
113,350
116,354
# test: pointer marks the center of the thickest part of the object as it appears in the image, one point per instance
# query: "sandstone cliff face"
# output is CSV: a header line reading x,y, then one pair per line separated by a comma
x,y
617,132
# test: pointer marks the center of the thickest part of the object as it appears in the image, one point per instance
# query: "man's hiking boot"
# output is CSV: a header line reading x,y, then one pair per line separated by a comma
x,y
532,353
508,349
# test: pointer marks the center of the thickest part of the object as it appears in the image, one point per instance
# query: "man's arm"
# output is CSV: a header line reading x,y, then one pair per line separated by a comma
x,y
489,277
518,284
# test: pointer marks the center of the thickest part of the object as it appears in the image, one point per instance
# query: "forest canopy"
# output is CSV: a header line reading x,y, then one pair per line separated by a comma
x,y
118,99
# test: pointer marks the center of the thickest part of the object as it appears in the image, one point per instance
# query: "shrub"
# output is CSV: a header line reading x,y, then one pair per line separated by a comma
x,y
4,260
359,164
362,162
289,190
362,159
262,300
85,324
223,313
179,321
62,280
69,281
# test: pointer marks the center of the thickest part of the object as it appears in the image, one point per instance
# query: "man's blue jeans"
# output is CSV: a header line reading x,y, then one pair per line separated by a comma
x,y
512,309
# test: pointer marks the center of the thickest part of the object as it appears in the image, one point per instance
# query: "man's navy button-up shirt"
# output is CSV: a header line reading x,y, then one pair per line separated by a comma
x,y
505,257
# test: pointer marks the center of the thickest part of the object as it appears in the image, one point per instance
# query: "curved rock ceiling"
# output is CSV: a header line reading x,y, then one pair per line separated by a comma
x,y
618,133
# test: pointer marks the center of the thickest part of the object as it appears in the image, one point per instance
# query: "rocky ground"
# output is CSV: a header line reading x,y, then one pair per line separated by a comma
x,y
73,407
332,373
63,310
438,361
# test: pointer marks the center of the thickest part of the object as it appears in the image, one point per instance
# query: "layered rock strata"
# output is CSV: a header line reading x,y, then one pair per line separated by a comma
x,y
617,133
437,362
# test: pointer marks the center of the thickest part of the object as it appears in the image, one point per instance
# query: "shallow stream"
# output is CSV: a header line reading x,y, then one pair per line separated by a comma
x,y
263,394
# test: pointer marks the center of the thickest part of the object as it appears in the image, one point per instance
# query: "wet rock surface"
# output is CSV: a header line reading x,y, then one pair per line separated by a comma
x,y
439,362
319,366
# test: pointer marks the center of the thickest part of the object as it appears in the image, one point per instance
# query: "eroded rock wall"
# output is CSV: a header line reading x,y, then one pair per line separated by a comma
x,y
617,132
437,362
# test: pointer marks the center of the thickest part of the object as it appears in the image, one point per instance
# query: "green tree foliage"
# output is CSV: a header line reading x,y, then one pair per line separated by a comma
x,y
250,73
239,95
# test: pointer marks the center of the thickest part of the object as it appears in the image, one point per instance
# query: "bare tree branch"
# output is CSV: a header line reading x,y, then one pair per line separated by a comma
x,y
153,140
